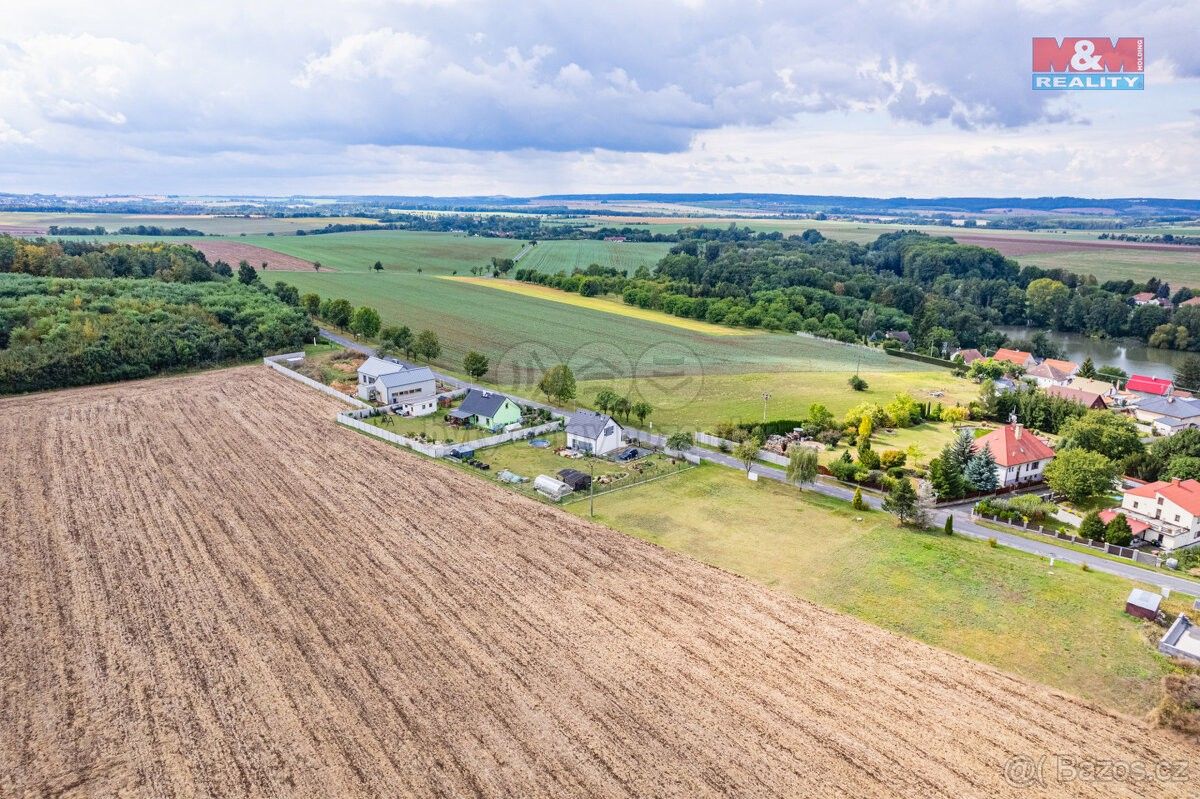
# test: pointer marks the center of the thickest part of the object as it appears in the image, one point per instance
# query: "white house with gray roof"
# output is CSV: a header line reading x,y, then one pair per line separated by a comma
x,y
1168,415
588,431
391,383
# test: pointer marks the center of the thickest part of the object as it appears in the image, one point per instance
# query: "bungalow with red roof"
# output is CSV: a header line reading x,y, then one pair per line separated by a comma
x,y
1019,357
1169,509
1151,386
1145,298
1190,302
1021,457
1067,367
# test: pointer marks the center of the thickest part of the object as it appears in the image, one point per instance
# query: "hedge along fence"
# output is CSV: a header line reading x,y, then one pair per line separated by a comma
x,y
896,352
275,362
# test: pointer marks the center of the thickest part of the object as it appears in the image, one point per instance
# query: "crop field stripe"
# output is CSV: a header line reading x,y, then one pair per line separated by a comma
x,y
211,588
598,304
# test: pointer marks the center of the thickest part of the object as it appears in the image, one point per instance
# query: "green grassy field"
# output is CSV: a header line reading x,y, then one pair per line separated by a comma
x,y
1180,267
709,398
399,251
563,256
1064,628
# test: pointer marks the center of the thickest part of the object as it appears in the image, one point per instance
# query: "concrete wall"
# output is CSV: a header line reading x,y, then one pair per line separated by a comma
x,y
353,419
275,362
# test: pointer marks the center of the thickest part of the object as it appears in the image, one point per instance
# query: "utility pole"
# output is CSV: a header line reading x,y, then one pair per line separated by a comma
x,y
766,397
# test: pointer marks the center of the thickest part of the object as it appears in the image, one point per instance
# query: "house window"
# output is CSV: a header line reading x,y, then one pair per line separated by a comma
x,y
608,431
1176,517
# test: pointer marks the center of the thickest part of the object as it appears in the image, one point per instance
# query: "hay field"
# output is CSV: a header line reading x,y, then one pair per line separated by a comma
x,y
604,304
213,590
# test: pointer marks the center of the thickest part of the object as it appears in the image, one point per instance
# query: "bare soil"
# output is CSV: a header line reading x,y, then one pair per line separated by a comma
x,y
233,252
210,589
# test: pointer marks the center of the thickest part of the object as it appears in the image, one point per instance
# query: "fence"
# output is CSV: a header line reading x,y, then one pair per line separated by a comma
x,y
273,362
599,490
725,444
1112,549
353,419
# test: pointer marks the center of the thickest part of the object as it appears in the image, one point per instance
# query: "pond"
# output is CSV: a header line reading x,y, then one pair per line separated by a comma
x,y
1125,353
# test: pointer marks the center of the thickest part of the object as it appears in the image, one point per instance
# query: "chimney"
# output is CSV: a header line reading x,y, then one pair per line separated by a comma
x,y
1017,431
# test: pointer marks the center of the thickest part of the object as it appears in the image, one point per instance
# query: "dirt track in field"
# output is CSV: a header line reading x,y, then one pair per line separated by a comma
x,y
211,589
233,252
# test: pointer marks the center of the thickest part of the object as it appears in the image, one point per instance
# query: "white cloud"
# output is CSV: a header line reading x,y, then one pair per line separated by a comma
x,y
716,94
392,55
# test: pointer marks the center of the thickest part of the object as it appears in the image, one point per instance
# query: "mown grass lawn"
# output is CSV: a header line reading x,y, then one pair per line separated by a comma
x,y
1065,627
713,398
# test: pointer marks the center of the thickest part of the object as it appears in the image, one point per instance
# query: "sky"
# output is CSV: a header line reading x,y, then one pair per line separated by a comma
x,y
421,97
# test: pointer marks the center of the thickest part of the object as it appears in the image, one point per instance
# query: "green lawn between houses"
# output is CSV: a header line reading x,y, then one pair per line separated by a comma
x,y
1065,628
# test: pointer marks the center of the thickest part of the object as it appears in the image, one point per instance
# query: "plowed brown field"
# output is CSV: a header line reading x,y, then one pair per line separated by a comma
x,y
210,589
234,252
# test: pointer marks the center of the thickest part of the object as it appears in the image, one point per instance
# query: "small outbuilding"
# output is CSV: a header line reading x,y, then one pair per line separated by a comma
x,y
550,488
577,480
1143,604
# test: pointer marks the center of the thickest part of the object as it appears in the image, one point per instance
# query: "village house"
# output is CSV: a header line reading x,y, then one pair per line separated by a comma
x,y
1045,374
1020,358
1168,415
903,336
393,384
968,355
486,409
1190,302
588,431
1088,399
1021,457
1102,387
1149,386
1146,298
1168,509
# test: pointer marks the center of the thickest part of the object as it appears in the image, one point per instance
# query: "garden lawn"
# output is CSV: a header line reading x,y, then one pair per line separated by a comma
x,y
1065,628
433,426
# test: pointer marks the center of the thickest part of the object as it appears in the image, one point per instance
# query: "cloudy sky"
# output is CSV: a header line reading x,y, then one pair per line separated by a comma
x,y
459,97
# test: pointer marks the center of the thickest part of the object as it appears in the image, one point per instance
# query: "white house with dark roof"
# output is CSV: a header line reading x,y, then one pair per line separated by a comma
x,y
391,383
1168,415
588,431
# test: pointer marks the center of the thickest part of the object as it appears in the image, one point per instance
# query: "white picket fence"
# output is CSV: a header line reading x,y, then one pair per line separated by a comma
x,y
274,362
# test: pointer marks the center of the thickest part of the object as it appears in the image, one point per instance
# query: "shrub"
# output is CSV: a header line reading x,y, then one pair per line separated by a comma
x,y
858,502
948,527
857,383
892,458
993,543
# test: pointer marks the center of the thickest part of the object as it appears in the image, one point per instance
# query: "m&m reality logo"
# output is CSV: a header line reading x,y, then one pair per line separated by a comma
x,y
1089,63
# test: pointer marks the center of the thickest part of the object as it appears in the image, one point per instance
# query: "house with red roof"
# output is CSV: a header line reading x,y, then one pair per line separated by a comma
x,y
967,355
1019,357
1145,298
1168,509
1046,375
1190,302
1088,399
1021,457
1151,386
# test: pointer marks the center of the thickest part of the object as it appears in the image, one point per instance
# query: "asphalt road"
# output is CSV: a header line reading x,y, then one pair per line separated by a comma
x,y
962,519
